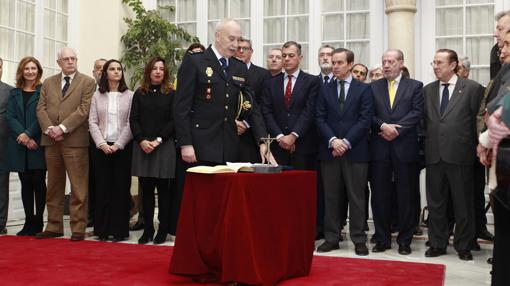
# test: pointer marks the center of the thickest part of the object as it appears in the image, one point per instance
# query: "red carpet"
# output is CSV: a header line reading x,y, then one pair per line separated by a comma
x,y
29,261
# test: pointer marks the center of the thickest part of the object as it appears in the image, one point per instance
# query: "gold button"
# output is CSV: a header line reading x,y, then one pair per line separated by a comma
x,y
226,107
226,95
197,126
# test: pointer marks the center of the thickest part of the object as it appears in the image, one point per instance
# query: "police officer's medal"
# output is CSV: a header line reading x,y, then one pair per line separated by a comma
x,y
209,73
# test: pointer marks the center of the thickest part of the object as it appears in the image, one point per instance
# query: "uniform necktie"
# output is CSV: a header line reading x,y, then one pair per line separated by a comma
x,y
445,98
326,79
341,98
66,85
224,65
392,92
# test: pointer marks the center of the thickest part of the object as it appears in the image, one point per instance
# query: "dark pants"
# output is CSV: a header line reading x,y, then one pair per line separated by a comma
x,y
479,197
400,180
33,186
113,182
148,200
4,198
458,178
501,251
342,177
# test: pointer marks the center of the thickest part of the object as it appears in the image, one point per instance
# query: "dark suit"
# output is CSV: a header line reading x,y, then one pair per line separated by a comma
x,y
249,149
206,120
349,170
298,118
4,176
450,150
394,163
69,155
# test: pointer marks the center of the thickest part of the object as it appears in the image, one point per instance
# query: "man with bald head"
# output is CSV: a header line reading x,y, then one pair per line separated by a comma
x,y
62,111
207,102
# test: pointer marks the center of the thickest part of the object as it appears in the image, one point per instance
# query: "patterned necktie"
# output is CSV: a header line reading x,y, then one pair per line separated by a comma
x,y
224,65
66,85
341,98
288,91
326,79
445,98
392,92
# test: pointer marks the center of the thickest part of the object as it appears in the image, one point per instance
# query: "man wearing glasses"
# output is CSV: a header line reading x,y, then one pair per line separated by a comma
x,y
62,111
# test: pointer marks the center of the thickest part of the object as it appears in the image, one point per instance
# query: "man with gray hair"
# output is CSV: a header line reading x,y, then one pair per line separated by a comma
x,y
4,176
62,111
502,25
464,68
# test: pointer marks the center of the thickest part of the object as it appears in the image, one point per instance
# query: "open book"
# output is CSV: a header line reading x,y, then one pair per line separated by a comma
x,y
229,168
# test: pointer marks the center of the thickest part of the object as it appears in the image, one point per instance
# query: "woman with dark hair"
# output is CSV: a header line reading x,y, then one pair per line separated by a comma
x,y
195,48
23,151
110,131
152,126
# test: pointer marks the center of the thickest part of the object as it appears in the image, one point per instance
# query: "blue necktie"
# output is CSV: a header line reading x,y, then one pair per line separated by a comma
x,y
224,65
445,98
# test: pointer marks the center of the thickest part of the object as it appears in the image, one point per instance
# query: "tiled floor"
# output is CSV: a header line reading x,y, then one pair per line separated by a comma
x,y
458,272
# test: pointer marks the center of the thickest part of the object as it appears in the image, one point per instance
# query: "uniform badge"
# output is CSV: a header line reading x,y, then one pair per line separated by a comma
x,y
236,78
209,72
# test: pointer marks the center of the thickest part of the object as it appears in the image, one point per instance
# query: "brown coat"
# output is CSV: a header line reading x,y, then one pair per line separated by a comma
x,y
72,110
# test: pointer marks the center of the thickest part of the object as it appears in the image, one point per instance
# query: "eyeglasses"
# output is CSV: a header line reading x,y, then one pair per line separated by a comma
x,y
68,59
244,49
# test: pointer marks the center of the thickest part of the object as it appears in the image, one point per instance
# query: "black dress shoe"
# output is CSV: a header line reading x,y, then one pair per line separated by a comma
x,y
3,230
476,246
25,231
434,252
160,237
404,249
137,226
77,237
118,239
489,260
485,235
48,234
465,255
145,238
327,246
380,248
360,249
102,238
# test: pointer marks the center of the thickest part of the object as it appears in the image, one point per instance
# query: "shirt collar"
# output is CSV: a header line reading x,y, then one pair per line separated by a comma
x,y
71,76
294,75
248,65
452,81
348,80
330,75
218,55
397,79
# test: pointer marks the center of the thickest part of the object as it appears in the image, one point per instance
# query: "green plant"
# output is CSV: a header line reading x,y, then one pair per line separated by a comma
x,y
150,35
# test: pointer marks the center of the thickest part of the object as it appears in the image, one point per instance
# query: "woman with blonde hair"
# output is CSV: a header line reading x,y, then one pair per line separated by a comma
x,y
23,151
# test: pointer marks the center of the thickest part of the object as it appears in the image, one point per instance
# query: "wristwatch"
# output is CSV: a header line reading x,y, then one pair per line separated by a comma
x,y
159,139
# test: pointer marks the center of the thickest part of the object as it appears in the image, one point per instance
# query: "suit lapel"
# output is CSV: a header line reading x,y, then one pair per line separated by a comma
x,y
455,97
434,98
383,91
400,92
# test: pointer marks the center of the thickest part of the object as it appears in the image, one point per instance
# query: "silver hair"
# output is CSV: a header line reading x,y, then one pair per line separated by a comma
x,y
502,14
223,22
328,46
465,63
59,53
400,54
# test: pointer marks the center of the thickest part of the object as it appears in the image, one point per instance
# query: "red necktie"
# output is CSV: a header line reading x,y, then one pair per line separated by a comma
x,y
288,91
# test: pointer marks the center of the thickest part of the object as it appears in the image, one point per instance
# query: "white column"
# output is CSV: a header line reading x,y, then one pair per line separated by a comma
x,y
401,15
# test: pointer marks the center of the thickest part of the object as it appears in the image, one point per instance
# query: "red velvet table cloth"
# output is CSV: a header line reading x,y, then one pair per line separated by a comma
x,y
251,228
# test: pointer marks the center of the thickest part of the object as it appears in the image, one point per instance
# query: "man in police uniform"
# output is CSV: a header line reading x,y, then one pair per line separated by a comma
x,y
207,102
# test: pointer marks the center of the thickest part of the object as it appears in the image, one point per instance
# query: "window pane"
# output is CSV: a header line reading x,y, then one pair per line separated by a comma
x,y
332,5
61,33
274,7
332,27
477,49
191,28
297,29
453,44
25,16
7,13
166,13
449,21
240,8
218,9
62,6
335,44
274,31
49,53
479,1
358,26
356,5
49,24
480,75
448,2
210,31
361,52
480,20
50,4
297,7
24,45
186,10
245,28
7,43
